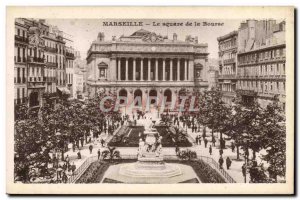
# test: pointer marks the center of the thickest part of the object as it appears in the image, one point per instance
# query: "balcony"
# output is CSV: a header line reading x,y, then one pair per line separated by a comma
x,y
229,61
70,55
50,49
21,39
36,79
36,60
227,76
51,64
20,59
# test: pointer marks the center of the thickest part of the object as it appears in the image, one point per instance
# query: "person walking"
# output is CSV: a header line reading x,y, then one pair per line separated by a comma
x,y
205,142
196,140
99,154
199,140
91,149
78,155
213,140
244,171
210,150
232,146
102,142
228,162
221,161
221,152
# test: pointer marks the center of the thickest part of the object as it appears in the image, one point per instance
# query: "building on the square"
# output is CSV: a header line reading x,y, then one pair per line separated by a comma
x,y
252,62
147,64
20,58
50,59
70,57
39,61
261,62
227,78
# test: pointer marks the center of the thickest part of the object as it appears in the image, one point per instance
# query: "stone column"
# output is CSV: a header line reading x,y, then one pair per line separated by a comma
x,y
142,69
112,69
156,69
134,66
185,70
119,69
191,70
171,70
149,69
126,73
178,69
164,69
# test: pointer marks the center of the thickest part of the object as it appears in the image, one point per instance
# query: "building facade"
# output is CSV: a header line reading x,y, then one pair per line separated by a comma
x,y
228,65
39,61
257,65
147,64
70,57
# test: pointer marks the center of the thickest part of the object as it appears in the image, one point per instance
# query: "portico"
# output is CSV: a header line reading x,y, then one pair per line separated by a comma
x,y
146,61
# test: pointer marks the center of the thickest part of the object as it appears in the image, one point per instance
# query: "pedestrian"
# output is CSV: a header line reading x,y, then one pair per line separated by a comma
x,y
221,152
205,142
64,177
102,142
244,170
73,147
210,149
221,161
213,140
91,149
232,146
73,167
81,140
228,162
78,155
59,170
199,140
67,159
99,153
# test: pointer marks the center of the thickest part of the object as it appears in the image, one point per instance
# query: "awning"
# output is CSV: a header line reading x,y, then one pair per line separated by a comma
x,y
64,90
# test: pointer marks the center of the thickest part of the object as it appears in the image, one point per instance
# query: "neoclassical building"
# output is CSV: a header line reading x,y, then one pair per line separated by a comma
x,y
147,64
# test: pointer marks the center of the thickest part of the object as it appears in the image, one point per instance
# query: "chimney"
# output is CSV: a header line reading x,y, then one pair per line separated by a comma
x,y
174,36
100,36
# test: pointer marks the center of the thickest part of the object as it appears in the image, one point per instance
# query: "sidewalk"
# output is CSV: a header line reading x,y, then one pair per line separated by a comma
x,y
235,170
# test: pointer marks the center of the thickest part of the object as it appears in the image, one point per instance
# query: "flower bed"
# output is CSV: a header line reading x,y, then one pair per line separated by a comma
x,y
205,172
95,172
130,137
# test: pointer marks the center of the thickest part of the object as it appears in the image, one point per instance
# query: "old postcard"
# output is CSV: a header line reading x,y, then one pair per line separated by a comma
x,y
150,100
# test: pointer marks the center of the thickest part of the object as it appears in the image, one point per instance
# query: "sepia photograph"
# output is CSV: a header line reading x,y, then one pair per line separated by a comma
x,y
199,103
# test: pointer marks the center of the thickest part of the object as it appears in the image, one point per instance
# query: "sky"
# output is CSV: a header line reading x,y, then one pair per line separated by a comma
x,y
84,31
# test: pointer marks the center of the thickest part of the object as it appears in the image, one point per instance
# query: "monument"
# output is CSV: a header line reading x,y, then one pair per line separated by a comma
x,y
150,167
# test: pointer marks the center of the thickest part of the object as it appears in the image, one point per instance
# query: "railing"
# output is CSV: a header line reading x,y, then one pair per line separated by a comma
x,y
210,161
51,49
21,39
36,59
78,172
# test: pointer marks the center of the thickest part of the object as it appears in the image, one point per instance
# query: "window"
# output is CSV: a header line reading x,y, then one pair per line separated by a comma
x,y
283,67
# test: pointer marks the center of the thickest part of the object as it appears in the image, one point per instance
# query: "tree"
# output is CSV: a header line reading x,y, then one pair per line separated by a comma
x,y
32,148
273,139
218,112
245,128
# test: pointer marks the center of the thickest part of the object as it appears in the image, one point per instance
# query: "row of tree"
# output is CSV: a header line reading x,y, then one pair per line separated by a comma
x,y
58,123
250,126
